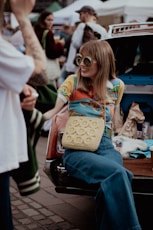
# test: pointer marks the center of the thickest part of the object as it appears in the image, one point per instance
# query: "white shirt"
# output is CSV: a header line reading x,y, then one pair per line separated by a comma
x,y
76,42
15,70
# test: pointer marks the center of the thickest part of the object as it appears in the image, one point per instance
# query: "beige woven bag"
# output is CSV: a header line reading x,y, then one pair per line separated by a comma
x,y
83,133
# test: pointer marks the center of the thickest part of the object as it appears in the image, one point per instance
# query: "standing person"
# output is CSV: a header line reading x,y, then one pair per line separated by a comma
x,y
95,91
53,49
66,31
67,45
16,69
87,17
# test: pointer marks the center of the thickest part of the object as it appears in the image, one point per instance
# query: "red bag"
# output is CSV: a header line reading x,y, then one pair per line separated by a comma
x,y
54,147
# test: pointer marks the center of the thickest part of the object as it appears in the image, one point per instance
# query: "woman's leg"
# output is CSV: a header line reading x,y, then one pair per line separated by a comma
x,y
119,208
5,206
114,196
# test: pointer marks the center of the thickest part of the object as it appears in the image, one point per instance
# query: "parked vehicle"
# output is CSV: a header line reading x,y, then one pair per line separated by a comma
x,y
132,44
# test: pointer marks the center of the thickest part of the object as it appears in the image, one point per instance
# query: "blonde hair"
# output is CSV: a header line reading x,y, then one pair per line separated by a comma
x,y
102,52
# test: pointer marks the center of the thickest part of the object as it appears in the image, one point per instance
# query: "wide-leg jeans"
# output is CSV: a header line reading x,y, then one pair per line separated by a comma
x,y
115,207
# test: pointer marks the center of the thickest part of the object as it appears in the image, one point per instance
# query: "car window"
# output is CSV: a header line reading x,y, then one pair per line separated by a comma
x,y
133,53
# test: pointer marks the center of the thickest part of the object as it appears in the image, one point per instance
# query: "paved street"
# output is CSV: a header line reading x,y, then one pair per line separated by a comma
x,y
49,210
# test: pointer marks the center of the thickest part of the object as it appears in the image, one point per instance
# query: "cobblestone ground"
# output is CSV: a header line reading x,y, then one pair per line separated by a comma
x,y
29,214
47,209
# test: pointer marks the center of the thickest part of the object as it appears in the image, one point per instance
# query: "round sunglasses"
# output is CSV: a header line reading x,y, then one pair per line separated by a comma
x,y
87,61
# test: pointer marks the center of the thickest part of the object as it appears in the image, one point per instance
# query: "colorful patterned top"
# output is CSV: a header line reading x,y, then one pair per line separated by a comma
x,y
83,104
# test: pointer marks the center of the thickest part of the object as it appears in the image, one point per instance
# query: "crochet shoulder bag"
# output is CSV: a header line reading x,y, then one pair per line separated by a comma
x,y
83,133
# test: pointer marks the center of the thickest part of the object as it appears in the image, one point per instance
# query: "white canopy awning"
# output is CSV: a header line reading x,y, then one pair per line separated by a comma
x,y
112,7
68,13
138,10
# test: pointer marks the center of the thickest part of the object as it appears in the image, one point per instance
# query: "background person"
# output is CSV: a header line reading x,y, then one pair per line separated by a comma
x,y
27,176
67,45
16,70
54,49
87,16
65,32
95,91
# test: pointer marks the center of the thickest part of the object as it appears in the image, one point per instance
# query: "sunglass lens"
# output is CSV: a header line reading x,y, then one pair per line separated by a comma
x,y
87,61
78,60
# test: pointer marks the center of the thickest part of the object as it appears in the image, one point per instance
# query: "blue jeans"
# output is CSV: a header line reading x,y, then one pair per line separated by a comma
x,y
115,207
5,206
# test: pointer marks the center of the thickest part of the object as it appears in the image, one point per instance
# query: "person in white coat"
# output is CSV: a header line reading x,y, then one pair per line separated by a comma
x,y
88,16
15,71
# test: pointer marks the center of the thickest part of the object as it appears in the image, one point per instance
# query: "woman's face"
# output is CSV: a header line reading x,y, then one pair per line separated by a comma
x,y
88,66
49,21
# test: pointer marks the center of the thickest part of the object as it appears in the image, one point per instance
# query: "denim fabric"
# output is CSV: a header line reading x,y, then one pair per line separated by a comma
x,y
5,206
115,209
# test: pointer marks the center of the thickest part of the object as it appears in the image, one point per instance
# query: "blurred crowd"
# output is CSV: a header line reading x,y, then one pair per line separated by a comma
x,y
60,41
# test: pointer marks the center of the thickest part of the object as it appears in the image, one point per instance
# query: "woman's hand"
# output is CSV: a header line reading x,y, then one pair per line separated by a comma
x,y
30,97
58,106
48,115
61,41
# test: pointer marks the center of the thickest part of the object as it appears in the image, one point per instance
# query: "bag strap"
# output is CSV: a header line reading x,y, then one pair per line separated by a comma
x,y
43,40
75,81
